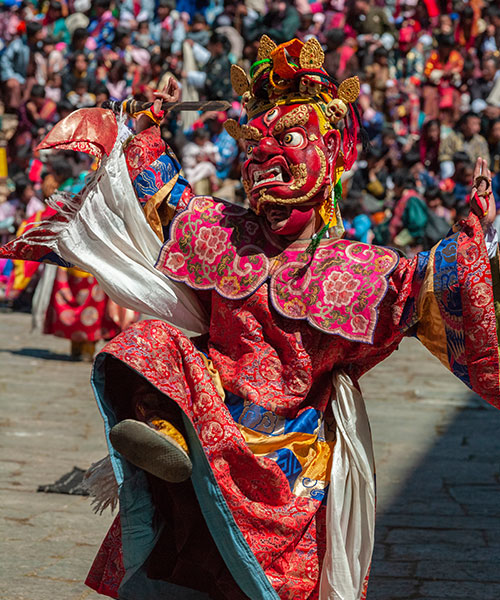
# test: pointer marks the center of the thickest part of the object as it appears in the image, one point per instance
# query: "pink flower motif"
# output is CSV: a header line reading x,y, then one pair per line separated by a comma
x,y
339,288
359,324
174,261
210,243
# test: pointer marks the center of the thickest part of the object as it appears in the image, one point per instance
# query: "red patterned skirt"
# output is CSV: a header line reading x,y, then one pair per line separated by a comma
x,y
77,309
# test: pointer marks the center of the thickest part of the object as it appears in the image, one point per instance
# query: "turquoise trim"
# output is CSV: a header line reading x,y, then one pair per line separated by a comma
x,y
136,513
231,543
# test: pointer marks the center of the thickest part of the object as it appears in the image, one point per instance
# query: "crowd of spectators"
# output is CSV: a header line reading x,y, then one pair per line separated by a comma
x,y
430,90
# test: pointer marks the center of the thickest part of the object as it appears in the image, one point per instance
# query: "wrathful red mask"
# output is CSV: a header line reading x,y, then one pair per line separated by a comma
x,y
287,171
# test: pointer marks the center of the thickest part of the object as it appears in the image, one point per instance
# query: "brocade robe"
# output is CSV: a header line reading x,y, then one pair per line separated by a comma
x,y
287,328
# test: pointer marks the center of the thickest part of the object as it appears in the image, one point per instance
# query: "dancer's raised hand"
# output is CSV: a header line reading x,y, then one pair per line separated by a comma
x,y
482,202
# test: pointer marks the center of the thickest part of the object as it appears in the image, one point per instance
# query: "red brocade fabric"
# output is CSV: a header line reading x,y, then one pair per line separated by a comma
x,y
142,150
284,366
107,570
89,130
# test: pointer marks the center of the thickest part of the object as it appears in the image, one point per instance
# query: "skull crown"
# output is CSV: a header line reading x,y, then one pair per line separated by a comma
x,y
336,110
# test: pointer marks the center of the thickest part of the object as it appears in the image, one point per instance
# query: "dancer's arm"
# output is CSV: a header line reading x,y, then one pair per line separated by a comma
x,y
449,297
153,167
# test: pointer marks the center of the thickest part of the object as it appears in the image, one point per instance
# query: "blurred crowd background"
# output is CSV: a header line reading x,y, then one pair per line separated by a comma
x,y
430,94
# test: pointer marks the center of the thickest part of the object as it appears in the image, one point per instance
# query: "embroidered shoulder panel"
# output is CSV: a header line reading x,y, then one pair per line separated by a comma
x,y
215,245
339,291
220,246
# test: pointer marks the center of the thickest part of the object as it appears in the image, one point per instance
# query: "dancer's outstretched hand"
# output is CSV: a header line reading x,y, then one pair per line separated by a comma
x,y
482,202
170,93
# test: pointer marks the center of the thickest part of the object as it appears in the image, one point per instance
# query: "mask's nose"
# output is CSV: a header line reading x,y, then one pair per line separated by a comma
x,y
266,148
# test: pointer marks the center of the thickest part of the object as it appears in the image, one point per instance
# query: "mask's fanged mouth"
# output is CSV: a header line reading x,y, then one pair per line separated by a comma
x,y
271,174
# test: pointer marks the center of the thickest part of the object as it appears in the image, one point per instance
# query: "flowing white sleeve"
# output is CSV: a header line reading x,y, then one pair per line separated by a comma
x,y
104,232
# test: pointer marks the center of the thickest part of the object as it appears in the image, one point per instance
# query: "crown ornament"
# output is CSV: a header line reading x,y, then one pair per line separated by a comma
x,y
292,72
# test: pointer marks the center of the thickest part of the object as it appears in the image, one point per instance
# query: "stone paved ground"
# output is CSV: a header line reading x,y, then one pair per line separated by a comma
x,y
438,459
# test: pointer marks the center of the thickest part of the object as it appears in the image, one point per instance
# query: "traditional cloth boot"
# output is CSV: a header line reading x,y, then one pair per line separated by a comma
x,y
158,448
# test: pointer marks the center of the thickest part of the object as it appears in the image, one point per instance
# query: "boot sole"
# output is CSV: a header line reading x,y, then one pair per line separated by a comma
x,y
151,451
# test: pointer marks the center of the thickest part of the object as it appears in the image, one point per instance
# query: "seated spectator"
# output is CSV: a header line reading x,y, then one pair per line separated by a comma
x,y
22,204
463,182
199,31
371,175
102,27
199,159
161,27
377,75
35,115
441,204
440,216
40,108
280,23
429,145
410,214
357,223
465,139
117,83
14,62
76,70
55,23
483,86
29,202
101,94
227,147
53,87
142,37
80,97
467,29
340,58
444,65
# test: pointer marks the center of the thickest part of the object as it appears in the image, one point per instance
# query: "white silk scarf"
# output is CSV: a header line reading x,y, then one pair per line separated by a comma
x,y
350,520
106,233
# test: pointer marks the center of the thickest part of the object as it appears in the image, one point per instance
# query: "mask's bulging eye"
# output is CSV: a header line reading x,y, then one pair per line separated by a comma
x,y
293,139
270,116
250,148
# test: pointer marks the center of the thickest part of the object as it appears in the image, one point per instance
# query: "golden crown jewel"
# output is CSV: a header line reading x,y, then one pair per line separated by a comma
x,y
290,73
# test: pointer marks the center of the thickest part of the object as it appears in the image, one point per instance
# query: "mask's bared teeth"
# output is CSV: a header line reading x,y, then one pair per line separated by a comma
x,y
271,174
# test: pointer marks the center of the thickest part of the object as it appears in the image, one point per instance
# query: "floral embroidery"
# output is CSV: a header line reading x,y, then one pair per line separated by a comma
x,y
175,260
215,245
359,324
215,242
339,288
210,243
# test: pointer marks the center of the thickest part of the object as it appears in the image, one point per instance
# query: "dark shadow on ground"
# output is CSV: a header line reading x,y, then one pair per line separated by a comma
x,y
440,537
40,353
